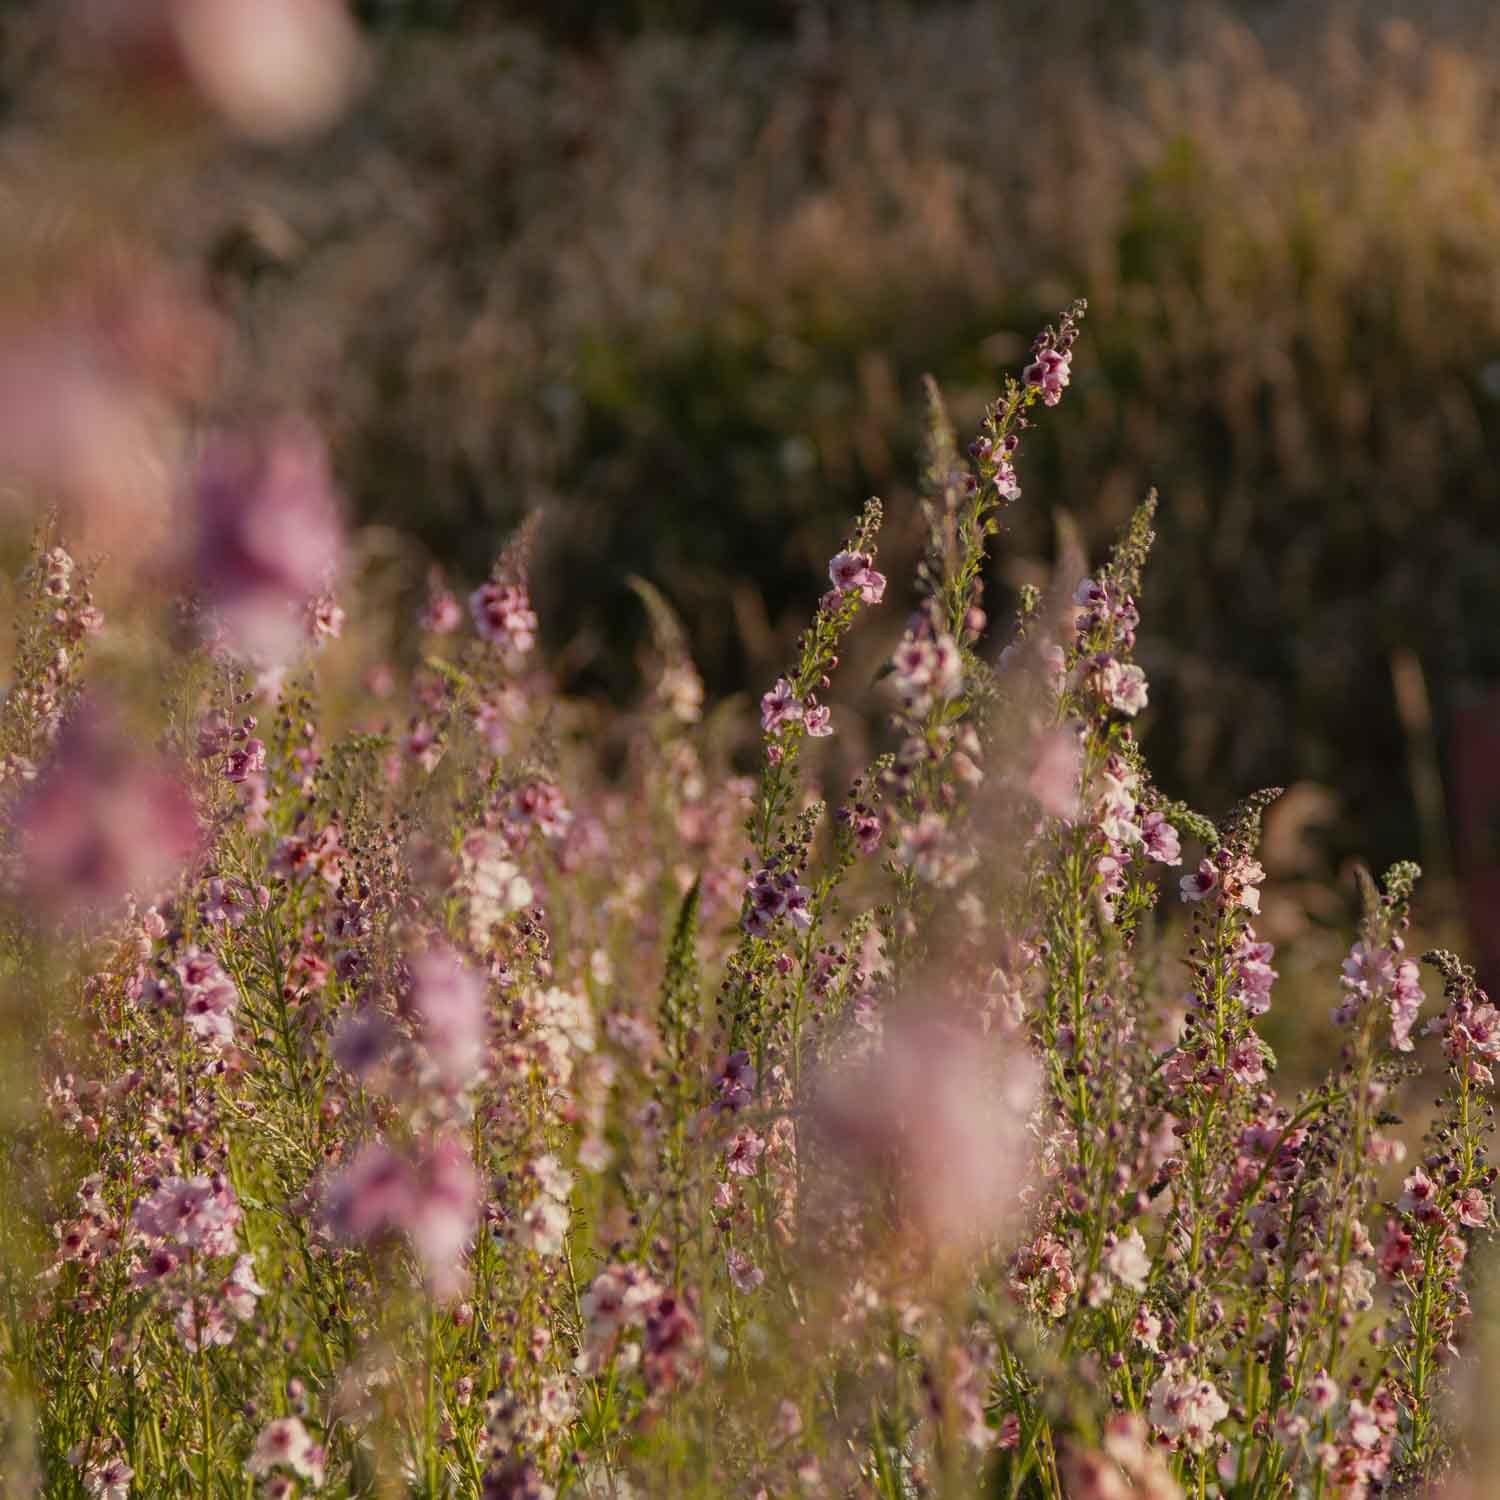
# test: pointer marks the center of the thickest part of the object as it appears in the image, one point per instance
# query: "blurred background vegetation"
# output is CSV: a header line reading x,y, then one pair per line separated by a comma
x,y
671,270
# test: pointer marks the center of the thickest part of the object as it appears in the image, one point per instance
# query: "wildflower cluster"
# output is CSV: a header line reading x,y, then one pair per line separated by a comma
x,y
428,1103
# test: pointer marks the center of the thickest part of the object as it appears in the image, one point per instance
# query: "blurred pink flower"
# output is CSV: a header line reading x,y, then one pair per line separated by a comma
x,y
92,387
448,998
1056,769
103,820
269,536
503,616
444,1213
942,1111
371,1196
433,1199
272,69
286,1443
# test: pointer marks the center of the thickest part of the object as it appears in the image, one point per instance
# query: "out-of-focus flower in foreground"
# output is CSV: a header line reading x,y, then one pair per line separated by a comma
x,y
449,1000
94,381
941,1111
273,70
269,536
106,818
433,1198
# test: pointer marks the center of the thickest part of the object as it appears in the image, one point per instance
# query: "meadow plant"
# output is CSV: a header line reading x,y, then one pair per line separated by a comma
x,y
427,1102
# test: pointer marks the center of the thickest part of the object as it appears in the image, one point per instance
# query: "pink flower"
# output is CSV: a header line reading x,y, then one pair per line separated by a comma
x,y
103,820
817,721
269,534
1367,971
1406,1001
209,997
1397,1250
1247,1064
273,70
1128,1262
286,1443
926,667
441,614
503,616
1057,764
938,1113
434,1199
244,762
1121,685
1419,1198
779,706
619,1297
1161,840
1116,807
197,1213
868,831
371,1196
776,894
745,1276
449,999
1201,882
444,1214
106,1477
422,744
853,572
492,720
1091,595
540,804
1473,1209
325,618
1146,1327
1322,1391
1255,974
1187,1407
242,1291
744,1151
1241,882
1049,372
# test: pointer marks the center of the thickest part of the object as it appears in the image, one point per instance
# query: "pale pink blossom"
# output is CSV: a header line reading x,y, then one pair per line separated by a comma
x,y
1473,1209
1322,1391
449,1000
272,70
817,721
746,1276
444,1214
743,1152
779,706
1128,1262
286,1443
1187,1406
853,572
1050,373
503,616
1161,839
